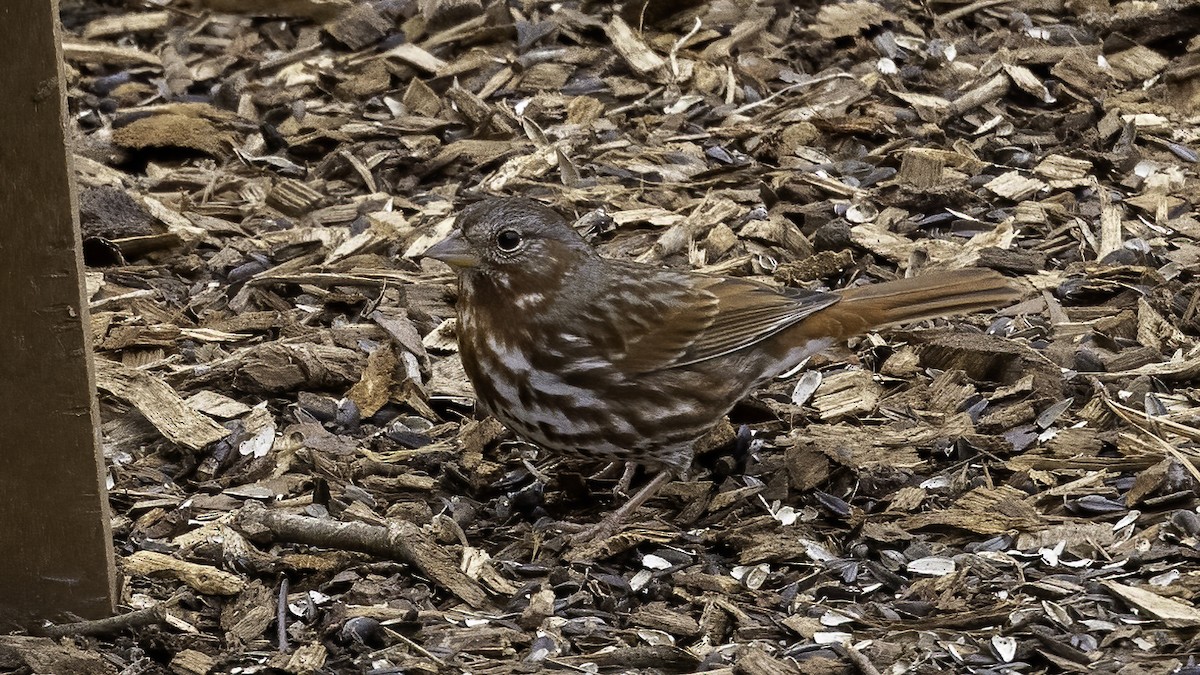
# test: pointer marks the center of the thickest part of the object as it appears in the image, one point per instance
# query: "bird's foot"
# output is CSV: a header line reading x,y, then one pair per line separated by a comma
x,y
596,533
627,469
612,523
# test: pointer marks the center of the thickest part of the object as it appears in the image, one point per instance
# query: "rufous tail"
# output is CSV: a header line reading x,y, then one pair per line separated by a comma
x,y
928,296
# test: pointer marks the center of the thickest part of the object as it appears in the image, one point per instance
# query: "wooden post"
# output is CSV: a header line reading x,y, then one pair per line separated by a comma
x,y
54,530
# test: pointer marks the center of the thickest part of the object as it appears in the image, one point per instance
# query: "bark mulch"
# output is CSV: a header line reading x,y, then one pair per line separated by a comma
x,y
300,484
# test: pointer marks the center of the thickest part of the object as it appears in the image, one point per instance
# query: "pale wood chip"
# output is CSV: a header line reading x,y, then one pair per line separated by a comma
x,y
204,579
1015,186
217,405
123,24
1028,82
1137,63
317,10
415,56
1061,167
640,57
99,52
1173,613
159,403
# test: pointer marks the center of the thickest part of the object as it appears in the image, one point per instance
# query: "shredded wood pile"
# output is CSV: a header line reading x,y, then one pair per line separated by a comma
x,y
297,476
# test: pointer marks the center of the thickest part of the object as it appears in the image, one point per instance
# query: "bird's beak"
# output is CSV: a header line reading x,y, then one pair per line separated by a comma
x,y
454,251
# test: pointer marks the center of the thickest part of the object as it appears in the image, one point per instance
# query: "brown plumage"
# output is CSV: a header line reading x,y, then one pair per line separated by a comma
x,y
589,356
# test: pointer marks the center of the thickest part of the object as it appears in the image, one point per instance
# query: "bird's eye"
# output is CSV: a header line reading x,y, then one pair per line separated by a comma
x,y
508,240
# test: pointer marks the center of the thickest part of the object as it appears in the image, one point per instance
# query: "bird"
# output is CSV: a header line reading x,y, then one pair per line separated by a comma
x,y
588,356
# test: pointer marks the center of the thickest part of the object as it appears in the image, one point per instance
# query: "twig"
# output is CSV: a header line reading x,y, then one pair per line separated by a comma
x,y
281,609
807,83
639,102
411,645
856,657
984,93
1141,420
113,624
968,9
398,540
674,55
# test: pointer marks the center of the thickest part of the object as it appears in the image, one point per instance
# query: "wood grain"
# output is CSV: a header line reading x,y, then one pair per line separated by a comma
x,y
54,523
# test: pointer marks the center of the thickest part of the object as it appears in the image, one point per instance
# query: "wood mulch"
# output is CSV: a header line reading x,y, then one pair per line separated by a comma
x,y
298,480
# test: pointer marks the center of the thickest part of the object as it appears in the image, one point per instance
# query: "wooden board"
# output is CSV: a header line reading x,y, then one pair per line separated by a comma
x,y
54,528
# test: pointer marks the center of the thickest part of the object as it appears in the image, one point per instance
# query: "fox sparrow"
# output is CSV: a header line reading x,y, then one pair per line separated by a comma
x,y
589,356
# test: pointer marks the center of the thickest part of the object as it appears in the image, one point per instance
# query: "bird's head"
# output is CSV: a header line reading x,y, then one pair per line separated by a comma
x,y
512,240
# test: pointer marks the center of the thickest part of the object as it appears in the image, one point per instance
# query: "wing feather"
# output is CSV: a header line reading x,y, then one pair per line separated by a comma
x,y
679,319
749,312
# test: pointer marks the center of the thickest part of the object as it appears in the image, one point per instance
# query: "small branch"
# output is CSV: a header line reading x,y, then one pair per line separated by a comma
x,y
398,540
857,658
965,10
281,613
984,93
113,624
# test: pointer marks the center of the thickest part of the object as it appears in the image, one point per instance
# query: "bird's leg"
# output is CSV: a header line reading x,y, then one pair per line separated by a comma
x,y
608,471
628,470
626,481
627,477
605,528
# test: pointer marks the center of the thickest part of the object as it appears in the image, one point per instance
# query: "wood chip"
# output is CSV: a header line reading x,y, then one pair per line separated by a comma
x,y
416,57
1012,185
636,53
98,52
160,404
201,578
108,26
266,267
1173,613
